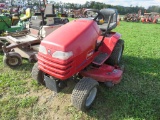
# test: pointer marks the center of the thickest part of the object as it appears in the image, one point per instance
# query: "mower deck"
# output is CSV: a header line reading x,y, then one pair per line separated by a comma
x,y
22,39
26,46
104,73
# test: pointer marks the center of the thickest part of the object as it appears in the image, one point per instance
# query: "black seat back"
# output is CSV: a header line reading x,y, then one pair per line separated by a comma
x,y
109,12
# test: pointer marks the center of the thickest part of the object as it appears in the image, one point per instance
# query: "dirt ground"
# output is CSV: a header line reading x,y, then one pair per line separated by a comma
x,y
50,105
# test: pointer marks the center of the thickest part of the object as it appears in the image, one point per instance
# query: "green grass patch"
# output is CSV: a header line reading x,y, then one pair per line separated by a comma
x,y
27,102
10,106
70,19
35,86
137,97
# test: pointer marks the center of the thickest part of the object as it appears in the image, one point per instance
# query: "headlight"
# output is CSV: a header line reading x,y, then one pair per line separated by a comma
x,y
42,49
62,55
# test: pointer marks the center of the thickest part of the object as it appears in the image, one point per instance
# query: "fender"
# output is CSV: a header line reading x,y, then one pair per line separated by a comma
x,y
109,42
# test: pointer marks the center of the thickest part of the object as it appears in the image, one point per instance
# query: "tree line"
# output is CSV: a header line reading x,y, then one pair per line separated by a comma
x,y
98,5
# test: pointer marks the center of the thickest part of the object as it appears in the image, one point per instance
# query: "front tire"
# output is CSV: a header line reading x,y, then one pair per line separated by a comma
x,y
84,93
37,74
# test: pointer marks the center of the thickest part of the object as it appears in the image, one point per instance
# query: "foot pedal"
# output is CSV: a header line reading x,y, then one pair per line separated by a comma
x,y
100,59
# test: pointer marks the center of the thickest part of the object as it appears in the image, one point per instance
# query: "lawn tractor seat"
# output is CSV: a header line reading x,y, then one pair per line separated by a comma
x,y
50,15
27,15
49,12
109,12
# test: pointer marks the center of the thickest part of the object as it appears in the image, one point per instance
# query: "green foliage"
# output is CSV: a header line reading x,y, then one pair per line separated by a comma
x,y
154,9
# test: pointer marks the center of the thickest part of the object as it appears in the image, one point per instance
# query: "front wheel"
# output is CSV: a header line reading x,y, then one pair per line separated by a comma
x,y
13,59
84,93
37,74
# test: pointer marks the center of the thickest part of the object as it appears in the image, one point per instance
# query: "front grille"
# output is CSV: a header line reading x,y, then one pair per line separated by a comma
x,y
57,68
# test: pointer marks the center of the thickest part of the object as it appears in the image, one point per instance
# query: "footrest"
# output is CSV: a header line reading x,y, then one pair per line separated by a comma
x,y
100,59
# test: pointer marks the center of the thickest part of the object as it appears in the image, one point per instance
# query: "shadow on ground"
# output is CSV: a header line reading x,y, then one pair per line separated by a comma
x,y
136,97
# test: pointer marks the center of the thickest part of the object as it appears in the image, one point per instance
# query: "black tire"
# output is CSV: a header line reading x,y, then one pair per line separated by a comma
x,y
1,44
37,74
65,21
84,93
116,54
13,59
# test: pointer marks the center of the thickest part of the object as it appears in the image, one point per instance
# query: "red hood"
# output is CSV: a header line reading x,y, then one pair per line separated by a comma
x,y
73,36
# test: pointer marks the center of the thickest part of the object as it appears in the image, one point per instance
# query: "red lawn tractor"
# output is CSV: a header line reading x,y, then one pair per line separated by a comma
x,y
84,50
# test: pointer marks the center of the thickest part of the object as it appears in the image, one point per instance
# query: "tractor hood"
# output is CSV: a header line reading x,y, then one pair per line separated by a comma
x,y
76,36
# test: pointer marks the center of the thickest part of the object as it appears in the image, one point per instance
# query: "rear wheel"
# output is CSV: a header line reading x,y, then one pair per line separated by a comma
x,y
116,55
84,93
37,74
13,59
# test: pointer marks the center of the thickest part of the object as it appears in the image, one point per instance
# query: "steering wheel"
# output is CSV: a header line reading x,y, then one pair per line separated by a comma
x,y
98,17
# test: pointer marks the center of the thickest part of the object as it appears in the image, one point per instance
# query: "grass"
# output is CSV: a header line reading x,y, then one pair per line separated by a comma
x,y
137,97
